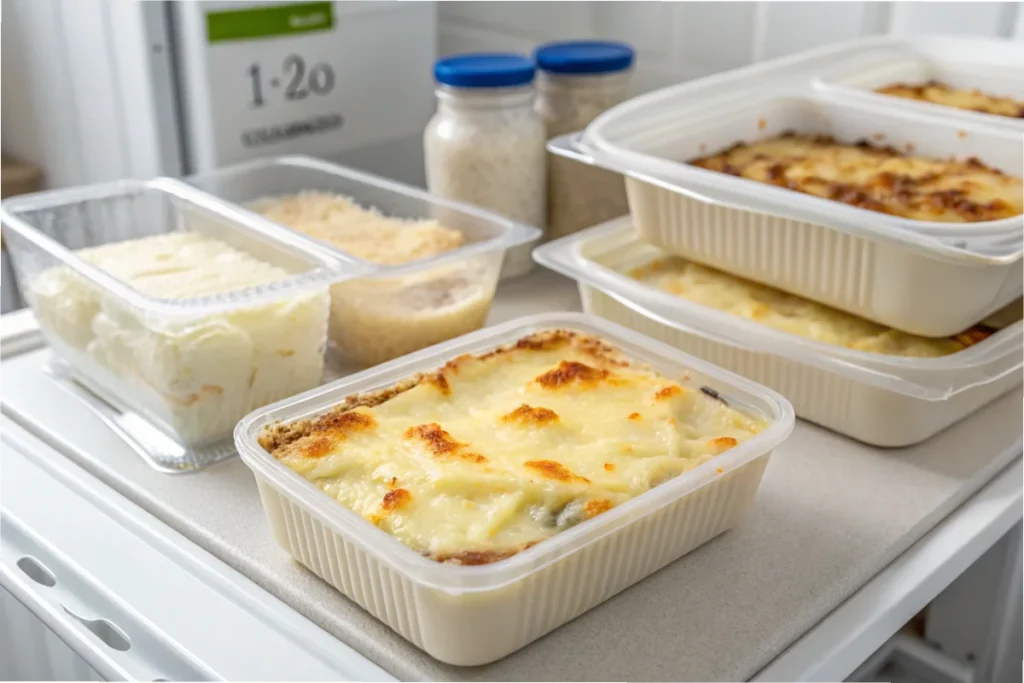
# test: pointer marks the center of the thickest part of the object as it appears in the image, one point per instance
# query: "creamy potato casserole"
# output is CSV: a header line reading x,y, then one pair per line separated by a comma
x,y
494,453
877,178
790,313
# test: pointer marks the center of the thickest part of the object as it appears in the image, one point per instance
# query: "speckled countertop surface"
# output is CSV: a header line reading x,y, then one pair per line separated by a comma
x,y
829,515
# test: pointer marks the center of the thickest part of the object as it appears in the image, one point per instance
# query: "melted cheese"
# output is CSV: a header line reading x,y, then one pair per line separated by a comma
x,y
961,98
364,233
790,313
495,453
877,178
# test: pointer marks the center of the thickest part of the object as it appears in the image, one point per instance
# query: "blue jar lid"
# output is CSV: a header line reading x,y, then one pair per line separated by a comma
x,y
584,57
484,70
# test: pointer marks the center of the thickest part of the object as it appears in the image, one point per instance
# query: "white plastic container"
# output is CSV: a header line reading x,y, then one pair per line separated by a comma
x,y
932,279
485,144
191,366
880,400
469,615
994,67
396,309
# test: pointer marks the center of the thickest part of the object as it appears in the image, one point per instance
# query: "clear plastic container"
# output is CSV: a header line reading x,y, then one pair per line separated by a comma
x,y
396,309
192,366
878,399
469,615
932,279
485,144
577,81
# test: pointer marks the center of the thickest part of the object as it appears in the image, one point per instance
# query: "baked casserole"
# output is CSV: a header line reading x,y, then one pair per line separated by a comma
x,y
971,99
875,177
793,314
494,453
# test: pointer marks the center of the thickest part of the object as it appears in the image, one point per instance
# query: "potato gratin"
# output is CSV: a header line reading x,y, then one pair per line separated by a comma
x,y
877,178
961,98
790,313
495,453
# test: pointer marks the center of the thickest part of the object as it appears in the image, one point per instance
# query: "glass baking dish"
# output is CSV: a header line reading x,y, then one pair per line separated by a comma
x,y
191,366
399,308
469,615
878,399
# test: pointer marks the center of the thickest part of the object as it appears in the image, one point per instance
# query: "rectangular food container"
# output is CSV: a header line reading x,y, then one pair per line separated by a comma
x,y
996,67
193,367
927,278
397,309
469,615
881,400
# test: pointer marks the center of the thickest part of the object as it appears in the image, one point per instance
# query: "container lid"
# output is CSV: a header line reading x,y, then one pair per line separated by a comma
x,y
584,57
596,257
484,70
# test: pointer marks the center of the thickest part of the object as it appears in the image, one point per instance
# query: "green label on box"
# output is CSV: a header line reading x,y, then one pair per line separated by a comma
x,y
269,22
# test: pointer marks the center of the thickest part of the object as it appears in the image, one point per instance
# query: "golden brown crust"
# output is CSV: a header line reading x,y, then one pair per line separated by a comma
x,y
442,444
554,470
571,373
876,177
942,93
528,415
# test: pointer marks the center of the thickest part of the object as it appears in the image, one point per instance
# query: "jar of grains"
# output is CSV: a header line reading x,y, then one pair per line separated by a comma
x,y
577,81
485,144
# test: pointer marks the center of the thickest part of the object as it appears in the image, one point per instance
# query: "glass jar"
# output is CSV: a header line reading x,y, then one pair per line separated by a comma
x,y
577,81
486,143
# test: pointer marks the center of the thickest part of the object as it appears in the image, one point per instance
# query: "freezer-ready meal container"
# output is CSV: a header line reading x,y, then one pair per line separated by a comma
x,y
469,615
927,278
401,307
189,353
878,399
992,67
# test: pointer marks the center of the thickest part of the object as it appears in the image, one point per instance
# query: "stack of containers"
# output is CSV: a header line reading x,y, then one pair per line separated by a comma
x,y
925,278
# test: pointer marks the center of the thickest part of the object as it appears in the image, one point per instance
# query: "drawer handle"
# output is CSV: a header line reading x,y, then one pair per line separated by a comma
x,y
37,571
106,631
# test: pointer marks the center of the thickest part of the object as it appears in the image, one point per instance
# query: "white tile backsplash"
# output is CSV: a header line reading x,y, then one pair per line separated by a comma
x,y
677,41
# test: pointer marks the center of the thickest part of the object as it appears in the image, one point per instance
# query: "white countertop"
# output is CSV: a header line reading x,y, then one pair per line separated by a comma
x,y
851,538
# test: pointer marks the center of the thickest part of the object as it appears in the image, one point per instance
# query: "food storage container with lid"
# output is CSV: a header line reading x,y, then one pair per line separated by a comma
x,y
576,81
469,615
395,309
192,355
485,144
932,279
879,399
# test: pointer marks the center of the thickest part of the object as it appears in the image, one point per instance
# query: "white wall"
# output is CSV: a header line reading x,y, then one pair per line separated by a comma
x,y
680,40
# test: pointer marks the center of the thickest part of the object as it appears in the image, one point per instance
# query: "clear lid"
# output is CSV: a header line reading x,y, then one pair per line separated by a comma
x,y
55,223
741,393
597,257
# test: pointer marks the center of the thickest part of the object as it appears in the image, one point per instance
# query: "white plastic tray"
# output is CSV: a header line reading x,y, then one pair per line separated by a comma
x,y
877,399
474,615
994,67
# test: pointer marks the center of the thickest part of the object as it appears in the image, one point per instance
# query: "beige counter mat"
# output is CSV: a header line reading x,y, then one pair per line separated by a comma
x,y
830,514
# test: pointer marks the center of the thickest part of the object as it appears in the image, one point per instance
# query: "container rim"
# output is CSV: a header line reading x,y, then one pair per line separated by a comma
x,y
512,232
931,379
326,272
454,579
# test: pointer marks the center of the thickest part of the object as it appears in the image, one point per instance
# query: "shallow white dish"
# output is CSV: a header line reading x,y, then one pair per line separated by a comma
x,y
474,615
880,400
